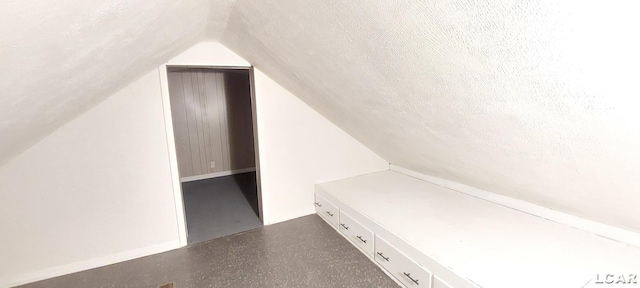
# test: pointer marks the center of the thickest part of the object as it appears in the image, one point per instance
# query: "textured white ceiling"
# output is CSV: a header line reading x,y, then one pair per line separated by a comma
x,y
58,58
533,99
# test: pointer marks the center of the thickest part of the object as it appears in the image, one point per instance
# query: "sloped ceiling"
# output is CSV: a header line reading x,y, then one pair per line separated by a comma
x,y
58,58
532,99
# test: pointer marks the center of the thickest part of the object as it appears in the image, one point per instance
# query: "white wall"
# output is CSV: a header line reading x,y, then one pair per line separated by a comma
x,y
299,148
535,100
61,58
208,53
101,189
96,191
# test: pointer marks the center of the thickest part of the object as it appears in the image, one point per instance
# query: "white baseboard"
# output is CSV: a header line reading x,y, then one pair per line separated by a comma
x,y
217,174
603,230
30,277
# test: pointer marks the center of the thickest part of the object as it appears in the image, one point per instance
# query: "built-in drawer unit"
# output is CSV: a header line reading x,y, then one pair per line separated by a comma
x,y
357,233
327,210
400,266
422,237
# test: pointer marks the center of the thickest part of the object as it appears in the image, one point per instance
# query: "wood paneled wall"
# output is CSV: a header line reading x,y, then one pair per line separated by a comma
x,y
211,111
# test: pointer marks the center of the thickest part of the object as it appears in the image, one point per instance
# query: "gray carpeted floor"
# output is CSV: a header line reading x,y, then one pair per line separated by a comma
x,y
220,206
304,252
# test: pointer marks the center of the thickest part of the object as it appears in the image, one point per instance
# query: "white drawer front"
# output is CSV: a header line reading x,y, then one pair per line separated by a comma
x,y
437,283
357,233
327,210
400,266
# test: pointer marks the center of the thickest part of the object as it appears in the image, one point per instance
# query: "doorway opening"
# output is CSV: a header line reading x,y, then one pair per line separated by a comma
x,y
213,120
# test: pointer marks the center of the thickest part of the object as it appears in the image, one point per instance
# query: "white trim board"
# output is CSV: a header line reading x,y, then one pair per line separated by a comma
x,y
217,174
600,229
88,264
181,220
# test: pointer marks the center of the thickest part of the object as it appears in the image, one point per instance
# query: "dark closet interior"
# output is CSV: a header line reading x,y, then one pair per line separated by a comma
x,y
213,128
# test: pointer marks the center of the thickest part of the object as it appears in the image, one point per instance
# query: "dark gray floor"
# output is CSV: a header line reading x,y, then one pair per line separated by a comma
x,y
303,252
220,206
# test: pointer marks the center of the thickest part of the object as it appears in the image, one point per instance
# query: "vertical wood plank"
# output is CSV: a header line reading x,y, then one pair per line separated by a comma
x,y
207,155
192,119
211,85
224,128
212,120
199,122
180,126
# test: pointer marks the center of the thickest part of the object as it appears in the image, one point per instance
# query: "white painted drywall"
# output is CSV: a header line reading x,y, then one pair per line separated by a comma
x,y
533,100
208,53
536,100
96,191
299,148
100,189
59,59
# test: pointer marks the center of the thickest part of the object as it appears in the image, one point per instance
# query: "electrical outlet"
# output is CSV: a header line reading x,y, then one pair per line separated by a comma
x,y
213,164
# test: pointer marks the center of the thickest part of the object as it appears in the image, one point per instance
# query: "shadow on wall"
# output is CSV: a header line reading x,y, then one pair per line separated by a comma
x,y
240,122
249,187
241,142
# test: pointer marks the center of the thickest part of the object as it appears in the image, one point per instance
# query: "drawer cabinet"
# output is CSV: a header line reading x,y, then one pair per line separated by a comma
x,y
400,266
327,210
358,234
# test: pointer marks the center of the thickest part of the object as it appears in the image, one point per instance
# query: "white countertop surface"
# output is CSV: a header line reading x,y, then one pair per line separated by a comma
x,y
492,245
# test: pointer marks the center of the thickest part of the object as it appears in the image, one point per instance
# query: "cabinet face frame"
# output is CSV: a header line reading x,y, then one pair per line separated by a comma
x,y
445,275
327,210
357,233
401,266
